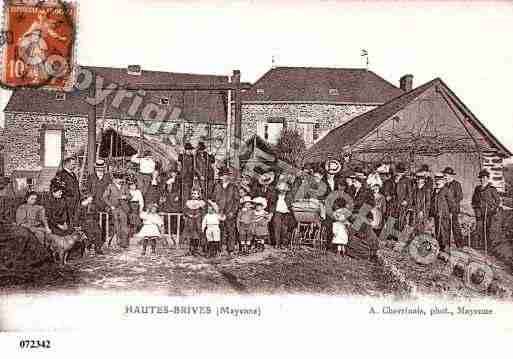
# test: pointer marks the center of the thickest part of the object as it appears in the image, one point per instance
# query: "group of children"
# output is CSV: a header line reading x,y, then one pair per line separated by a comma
x,y
203,221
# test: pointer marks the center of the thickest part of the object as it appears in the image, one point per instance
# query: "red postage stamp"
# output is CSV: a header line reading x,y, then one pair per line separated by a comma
x,y
39,51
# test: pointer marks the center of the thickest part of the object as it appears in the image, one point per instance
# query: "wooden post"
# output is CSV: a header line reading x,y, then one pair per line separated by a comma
x,y
91,132
237,121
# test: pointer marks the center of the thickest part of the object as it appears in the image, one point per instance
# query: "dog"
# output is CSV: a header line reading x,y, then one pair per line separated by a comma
x,y
62,245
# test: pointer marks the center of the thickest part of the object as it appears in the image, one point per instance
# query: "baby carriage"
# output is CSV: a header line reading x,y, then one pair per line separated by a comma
x,y
309,229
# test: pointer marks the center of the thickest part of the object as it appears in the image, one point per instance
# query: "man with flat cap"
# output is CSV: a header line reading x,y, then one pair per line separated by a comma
x,y
486,203
455,196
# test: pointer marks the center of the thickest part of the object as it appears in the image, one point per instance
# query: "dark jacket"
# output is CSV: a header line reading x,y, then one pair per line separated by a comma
x,y
71,189
440,203
485,200
57,213
422,199
404,191
227,199
363,197
455,196
96,187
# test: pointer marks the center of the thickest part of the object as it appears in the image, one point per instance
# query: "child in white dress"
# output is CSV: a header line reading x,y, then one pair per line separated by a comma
x,y
340,230
151,228
210,226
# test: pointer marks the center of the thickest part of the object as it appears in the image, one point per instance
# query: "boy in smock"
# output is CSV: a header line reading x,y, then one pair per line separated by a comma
x,y
245,220
210,226
261,219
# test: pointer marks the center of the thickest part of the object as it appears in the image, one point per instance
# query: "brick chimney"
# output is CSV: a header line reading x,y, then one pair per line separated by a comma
x,y
406,83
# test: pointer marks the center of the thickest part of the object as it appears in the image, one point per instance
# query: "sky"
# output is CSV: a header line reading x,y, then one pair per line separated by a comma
x,y
467,44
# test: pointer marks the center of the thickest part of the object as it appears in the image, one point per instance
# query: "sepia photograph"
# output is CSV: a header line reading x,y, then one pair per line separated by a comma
x,y
171,166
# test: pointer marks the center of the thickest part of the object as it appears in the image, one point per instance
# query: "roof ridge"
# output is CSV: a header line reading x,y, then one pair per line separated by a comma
x,y
153,71
322,68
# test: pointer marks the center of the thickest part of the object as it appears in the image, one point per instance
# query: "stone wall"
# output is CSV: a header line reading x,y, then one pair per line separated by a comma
x,y
493,163
325,116
22,138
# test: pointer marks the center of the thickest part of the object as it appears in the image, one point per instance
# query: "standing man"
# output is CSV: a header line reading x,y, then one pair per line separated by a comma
x,y
283,220
403,195
188,166
439,210
421,201
226,196
116,197
455,196
485,202
96,185
71,191
204,167
147,166
332,178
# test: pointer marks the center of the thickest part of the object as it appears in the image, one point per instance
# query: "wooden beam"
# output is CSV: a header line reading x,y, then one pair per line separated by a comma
x,y
237,120
91,132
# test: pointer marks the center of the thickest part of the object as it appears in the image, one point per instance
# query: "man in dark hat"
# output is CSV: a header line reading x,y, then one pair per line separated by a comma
x,y
226,196
403,196
204,165
187,162
486,202
439,211
455,196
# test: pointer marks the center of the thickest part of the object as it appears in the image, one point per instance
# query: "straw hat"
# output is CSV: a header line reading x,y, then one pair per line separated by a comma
x,y
260,200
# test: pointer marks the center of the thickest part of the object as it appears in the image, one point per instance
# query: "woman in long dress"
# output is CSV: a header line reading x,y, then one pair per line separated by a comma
x,y
33,217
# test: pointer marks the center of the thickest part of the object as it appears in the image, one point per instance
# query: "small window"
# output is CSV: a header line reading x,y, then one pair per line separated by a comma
x,y
333,92
260,91
164,101
266,132
60,96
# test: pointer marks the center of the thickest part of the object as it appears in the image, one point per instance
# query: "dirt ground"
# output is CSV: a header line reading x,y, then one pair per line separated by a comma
x,y
173,272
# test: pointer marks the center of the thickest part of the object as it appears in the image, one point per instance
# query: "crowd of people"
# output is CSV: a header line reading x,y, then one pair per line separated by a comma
x,y
244,214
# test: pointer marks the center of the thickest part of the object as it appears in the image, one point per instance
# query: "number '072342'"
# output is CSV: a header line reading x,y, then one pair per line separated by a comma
x,y
35,344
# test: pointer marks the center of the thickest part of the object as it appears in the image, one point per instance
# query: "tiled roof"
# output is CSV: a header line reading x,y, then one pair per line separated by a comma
x,y
318,84
348,134
200,106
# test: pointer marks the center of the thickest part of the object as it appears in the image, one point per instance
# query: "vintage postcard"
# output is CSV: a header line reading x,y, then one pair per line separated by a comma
x,y
308,178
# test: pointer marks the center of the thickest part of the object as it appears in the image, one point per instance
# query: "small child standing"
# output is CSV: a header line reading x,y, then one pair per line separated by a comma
x,y
210,226
244,224
340,232
151,228
260,224
193,213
